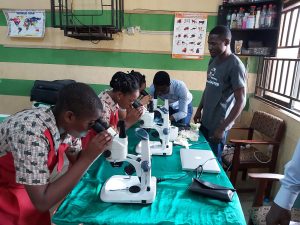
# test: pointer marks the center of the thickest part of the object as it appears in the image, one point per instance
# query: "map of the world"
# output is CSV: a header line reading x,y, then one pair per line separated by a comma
x,y
25,23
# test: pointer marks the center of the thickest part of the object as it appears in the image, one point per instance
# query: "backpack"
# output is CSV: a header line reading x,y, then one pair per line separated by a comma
x,y
47,91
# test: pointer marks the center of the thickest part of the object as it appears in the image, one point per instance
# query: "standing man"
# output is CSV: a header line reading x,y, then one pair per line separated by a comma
x,y
180,99
224,96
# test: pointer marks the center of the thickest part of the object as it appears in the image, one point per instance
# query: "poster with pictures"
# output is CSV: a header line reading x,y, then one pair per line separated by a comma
x,y
25,23
189,35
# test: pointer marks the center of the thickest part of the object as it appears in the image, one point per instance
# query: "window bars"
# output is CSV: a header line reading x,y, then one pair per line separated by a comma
x,y
278,80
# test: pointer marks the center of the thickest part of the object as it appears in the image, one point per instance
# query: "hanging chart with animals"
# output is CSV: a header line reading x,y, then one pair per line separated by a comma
x,y
25,23
189,35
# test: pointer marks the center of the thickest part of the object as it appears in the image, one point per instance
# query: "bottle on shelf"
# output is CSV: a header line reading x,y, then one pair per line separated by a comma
x,y
245,18
228,19
274,15
251,18
257,17
268,20
239,18
233,23
263,16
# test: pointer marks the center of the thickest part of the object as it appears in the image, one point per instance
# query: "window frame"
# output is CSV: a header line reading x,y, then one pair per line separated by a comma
x,y
268,72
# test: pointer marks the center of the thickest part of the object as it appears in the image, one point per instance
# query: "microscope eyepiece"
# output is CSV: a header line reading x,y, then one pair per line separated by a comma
x,y
136,104
100,126
122,129
150,106
155,94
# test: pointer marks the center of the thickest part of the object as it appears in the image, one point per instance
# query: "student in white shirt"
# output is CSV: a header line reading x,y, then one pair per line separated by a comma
x,y
280,212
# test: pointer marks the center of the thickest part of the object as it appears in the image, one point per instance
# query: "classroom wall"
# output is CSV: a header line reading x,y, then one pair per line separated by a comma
x,y
58,57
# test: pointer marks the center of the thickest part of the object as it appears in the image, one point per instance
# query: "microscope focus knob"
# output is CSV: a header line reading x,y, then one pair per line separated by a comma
x,y
107,154
134,189
166,131
129,169
145,166
155,134
138,159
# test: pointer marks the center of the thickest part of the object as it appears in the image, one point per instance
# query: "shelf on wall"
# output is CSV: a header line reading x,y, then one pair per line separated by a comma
x,y
255,29
268,37
248,3
253,55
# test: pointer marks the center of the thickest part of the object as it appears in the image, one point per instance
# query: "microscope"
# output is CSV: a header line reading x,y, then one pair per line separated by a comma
x,y
140,188
161,124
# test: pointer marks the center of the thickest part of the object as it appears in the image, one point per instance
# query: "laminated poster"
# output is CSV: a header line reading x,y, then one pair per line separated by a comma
x,y
189,35
25,23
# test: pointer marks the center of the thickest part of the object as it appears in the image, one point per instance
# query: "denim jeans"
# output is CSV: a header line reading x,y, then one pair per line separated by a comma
x,y
217,148
185,121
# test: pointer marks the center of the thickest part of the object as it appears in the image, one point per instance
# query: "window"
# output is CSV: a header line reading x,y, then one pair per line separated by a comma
x,y
279,77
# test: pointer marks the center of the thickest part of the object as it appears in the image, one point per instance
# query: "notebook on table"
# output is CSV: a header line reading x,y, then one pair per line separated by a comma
x,y
192,158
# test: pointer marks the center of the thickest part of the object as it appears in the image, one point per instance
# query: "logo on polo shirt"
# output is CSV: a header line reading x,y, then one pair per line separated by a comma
x,y
211,79
212,72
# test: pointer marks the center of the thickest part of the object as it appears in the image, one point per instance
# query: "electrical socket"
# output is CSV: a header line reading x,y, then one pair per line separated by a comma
x,y
137,29
130,30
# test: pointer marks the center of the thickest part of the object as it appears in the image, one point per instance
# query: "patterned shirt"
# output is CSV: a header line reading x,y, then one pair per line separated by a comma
x,y
22,134
109,106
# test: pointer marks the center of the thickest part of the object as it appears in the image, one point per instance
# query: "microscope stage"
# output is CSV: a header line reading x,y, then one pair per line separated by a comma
x,y
117,190
156,148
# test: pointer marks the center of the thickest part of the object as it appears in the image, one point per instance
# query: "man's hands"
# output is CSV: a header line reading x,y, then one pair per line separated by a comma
x,y
171,118
278,215
133,115
197,116
96,146
218,135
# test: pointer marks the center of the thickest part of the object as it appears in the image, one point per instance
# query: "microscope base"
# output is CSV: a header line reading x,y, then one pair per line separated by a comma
x,y
116,190
156,148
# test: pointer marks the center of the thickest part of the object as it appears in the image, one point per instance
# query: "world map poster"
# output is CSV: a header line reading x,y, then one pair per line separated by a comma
x,y
25,23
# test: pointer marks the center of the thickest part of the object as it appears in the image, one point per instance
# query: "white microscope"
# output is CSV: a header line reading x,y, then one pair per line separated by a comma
x,y
126,188
167,133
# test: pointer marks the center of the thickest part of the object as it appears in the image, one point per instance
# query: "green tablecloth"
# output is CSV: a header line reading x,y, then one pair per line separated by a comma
x,y
3,117
173,203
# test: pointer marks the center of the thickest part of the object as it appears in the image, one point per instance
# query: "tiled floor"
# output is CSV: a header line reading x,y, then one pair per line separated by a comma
x,y
246,198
